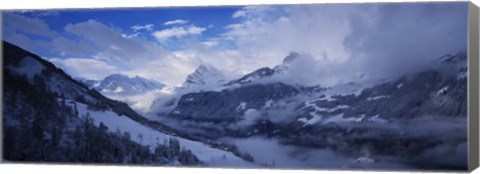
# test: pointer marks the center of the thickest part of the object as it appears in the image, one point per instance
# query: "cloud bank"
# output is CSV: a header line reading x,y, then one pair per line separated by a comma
x,y
348,41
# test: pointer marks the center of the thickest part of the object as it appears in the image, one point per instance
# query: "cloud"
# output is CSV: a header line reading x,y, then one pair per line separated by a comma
x,y
10,35
131,56
111,42
254,12
170,69
239,13
177,32
24,31
39,13
393,39
148,27
72,48
347,41
265,35
249,117
85,67
129,36
176,22
28,25
211,43
126,55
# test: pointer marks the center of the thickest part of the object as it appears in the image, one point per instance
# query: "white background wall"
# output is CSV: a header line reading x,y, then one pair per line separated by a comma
x,y
36,4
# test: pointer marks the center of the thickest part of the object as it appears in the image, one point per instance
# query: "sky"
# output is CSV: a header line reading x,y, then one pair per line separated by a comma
x,y
340,42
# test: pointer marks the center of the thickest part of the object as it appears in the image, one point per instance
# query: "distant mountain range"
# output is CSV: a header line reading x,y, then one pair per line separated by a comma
x,y
123,84
137,92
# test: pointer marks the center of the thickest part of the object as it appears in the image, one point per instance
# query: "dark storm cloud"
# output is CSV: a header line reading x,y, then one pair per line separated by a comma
x,y
395,38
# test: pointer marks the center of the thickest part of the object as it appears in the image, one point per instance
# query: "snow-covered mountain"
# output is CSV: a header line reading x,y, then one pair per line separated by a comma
x,y
56,118
204,77
88,82
231,104
256,75
256,88
454,64
123,84
266,72
138,92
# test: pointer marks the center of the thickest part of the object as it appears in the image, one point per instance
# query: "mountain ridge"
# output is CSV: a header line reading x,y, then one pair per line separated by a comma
x,y
204,76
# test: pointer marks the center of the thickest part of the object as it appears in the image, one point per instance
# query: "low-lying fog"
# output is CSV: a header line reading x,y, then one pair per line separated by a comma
x,y
451,153
270,153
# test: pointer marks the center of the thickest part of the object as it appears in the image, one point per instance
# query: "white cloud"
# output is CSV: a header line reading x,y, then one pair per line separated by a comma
x,y
211,43
254,11
196,30
177,32
118,53
85,67
148,27
112,44
266,35
239,13
131,56
171,32
347,40
176,22
303,29
170,69
129,36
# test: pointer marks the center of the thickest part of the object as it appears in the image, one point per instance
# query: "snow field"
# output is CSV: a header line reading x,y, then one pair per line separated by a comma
x,y
147,136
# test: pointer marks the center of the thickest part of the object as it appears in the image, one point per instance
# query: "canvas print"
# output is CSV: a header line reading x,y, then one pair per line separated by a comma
x,y
369,86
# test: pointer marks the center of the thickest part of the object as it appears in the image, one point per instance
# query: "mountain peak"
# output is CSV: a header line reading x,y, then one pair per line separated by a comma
x,y
117,75
255,75
265,72
203,75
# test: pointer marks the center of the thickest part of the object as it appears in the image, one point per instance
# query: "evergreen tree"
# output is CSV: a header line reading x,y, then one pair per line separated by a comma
x,y
175,145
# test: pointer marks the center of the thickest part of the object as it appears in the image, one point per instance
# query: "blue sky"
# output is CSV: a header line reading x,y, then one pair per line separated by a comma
x,y
125,19
343,41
